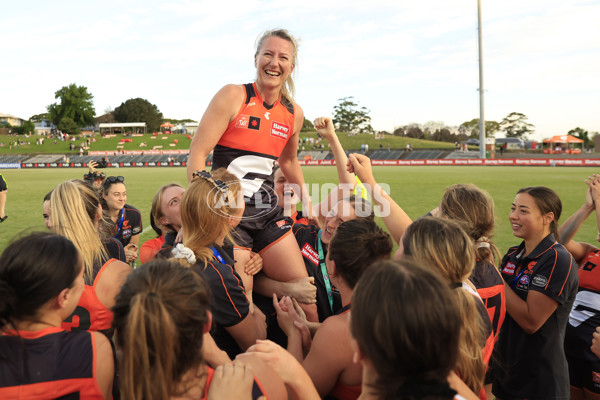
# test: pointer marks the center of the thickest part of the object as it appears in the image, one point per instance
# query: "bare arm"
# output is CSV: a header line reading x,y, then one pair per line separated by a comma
x,y
104,364
110,282
220,112
347,182
249,330
530,314
394,217
289,369
570,227
303,289
329,354
288,162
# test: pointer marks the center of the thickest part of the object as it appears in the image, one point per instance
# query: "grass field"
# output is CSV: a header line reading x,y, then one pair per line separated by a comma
x,y
416,189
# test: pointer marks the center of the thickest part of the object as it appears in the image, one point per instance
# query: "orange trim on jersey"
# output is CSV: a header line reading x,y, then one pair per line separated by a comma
x,y
567,278
226,291
275,242
242,248
551,247
33,334
552,272
100,273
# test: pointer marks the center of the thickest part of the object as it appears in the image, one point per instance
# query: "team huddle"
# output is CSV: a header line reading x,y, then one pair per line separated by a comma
x,y
242,296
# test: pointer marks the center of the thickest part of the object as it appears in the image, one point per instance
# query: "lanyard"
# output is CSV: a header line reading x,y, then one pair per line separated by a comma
x,y
514,282
217,255
324,272
120,223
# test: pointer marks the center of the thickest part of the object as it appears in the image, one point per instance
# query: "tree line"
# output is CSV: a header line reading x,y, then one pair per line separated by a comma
x,y
75,110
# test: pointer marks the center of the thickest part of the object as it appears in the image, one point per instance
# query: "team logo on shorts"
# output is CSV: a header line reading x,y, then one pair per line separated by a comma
x,y
280,130
596,377
509,269
282,224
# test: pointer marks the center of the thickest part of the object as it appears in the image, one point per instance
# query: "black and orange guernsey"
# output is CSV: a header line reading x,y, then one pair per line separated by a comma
x,y
48,364
90,314
252,143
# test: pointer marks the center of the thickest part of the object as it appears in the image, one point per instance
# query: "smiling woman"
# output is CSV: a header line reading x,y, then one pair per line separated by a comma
x,y
250,127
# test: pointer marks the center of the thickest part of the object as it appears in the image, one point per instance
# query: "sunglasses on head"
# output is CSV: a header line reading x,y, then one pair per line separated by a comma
x,y
217,183
114,179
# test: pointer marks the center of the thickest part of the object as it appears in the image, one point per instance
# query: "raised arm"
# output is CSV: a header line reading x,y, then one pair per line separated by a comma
x,y
570,227
394,217
220,112
288,161
347,182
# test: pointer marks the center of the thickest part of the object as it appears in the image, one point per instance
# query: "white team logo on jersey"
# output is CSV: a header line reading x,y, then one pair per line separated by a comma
x,y
267,115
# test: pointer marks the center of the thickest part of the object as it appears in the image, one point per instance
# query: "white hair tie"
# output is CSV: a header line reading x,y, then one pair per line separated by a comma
x,y
483,242
180,251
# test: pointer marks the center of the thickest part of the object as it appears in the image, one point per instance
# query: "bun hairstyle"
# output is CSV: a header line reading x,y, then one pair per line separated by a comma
x,y
205,209
412,338
289,89
443,246
33,270
355,245
548,202
474,208
159,316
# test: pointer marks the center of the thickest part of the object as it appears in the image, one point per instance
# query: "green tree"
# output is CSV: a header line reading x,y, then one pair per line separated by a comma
x,y
27,127
471,128
69,126
307,126
40,117
582,134
515,125
75,104
349,117
139,110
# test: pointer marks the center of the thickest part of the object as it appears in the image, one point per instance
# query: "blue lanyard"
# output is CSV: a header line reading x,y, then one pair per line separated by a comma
x,y
514,282
324,272
120,222
217,255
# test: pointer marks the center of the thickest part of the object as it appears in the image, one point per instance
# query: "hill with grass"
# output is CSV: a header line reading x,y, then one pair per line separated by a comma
x,y
31,144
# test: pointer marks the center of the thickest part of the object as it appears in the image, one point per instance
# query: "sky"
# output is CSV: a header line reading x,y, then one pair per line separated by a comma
x,y
405,61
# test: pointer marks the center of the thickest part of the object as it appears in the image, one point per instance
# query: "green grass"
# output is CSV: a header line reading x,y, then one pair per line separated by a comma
x,y
110,144
102,144
396,142
416,189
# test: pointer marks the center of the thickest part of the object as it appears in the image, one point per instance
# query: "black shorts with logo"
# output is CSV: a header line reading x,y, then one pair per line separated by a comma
x,y
258,234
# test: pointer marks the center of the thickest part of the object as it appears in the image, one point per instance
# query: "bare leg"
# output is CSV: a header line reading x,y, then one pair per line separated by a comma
x,y
241,257
2,203
283,262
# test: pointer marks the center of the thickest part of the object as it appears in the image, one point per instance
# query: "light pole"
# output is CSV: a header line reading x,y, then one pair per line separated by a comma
x,y
481,114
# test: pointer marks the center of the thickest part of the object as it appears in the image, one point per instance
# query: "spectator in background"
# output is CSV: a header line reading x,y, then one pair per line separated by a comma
x,y
3,191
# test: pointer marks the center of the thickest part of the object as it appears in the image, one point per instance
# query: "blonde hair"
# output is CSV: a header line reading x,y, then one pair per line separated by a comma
x,y
473,207
157,211
288,90
74,209
442,245
205,212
